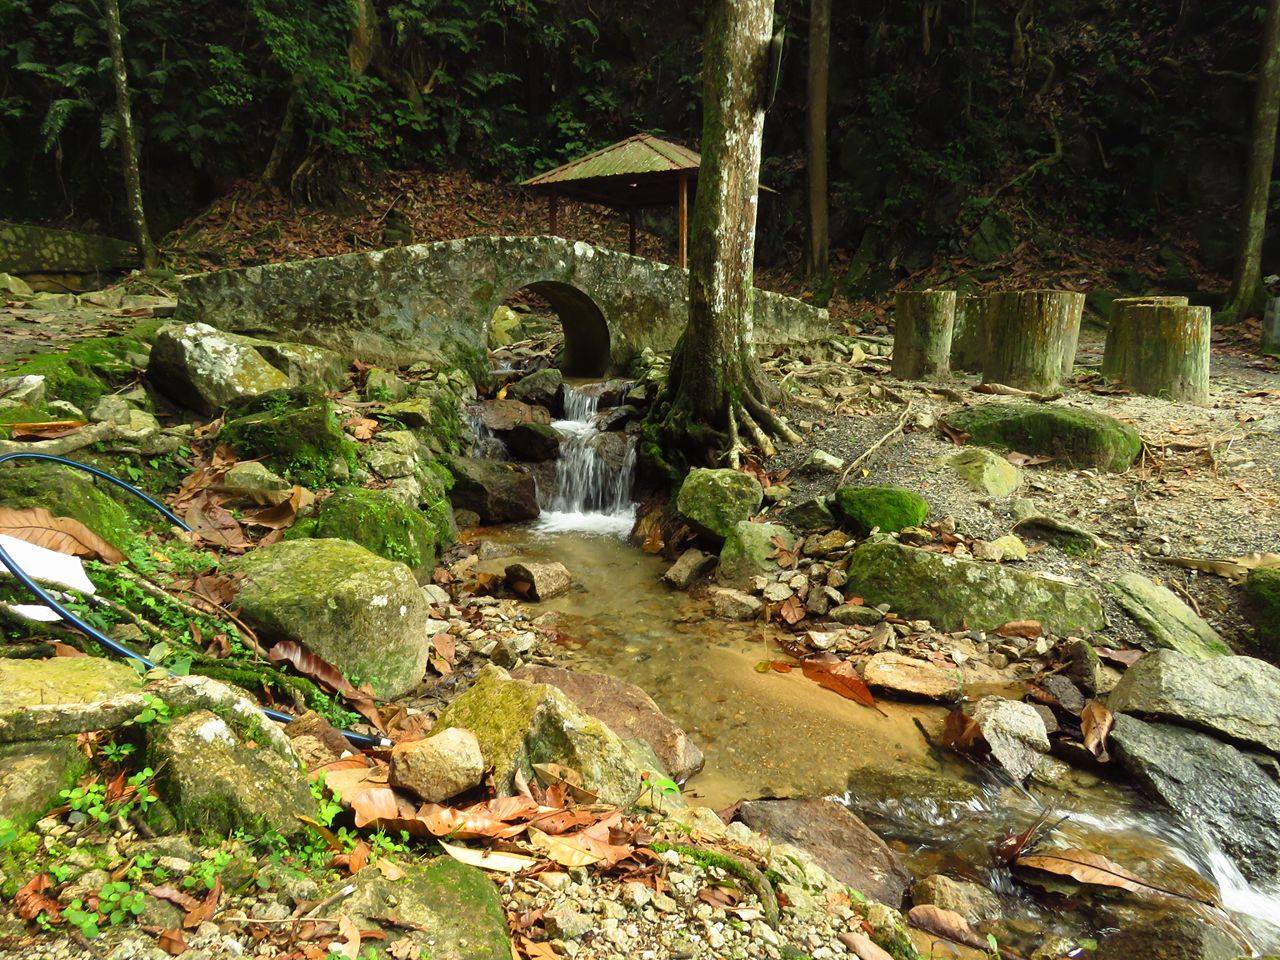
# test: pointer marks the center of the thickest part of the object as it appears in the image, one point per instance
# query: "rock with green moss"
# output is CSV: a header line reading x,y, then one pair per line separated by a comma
x,y
444,909
305,365
363,613
379,522
83,372
713,501
251,481
958,594
520,724
1074,437
67,492
71,680
542,388
985,472
204,369
888,509
814,514
215,781
384,386
497,492
295,432
33,774
1262,607
750,550
1165,618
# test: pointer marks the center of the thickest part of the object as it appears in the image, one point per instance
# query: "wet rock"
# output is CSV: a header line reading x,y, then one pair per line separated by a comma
x,y
33,774
1167,620
1262,607
690,565
542,388
615,418
340,601
1015,733
855,614
519,724
213,779
836,839
503,415
206,369
535,442
888,509
438,767
538,581
913,678
1085,665
496,492
820,462
379,522
1209,783
1174,937
953,593
730,604
611,393
750,550
626,710
812,514
1065,692
713,502
971,901
1073,437
1236,698
985,472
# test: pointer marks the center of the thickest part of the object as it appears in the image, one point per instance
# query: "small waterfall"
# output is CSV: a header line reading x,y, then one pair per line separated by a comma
x,y
486,446
592,489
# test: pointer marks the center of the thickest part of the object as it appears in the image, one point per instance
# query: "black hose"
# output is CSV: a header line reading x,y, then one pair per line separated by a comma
x,y
357,739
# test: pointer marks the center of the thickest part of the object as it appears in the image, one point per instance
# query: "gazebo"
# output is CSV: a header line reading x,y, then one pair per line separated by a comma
x,y
638,172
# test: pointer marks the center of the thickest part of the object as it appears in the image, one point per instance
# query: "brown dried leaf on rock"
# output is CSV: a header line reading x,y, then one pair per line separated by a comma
x,y
863,947
32,900
792,610
46,429
213,523
1029,629
946,924
362,428
1088,867
204,910
61,534
282,515
784,555
173,942
962,734
1096,721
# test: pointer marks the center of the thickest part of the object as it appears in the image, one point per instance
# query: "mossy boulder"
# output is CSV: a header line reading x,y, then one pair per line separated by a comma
x,y
749,551
520,724
541,388
985,472
497,492
363,613
958,594
294,432
384,386
304,364
215,781
78,680
67,492
379,522
713,501
813,514
33,774
1262,607
1074,437
445,909
85,371
205,369
888,509
1166,619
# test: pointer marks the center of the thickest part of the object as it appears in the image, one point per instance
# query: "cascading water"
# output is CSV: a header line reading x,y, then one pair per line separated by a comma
x,y
592,489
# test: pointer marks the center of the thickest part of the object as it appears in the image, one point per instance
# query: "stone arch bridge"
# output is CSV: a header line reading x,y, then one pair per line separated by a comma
x,y
435,301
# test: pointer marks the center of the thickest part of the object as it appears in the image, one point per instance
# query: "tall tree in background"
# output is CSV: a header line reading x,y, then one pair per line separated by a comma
x,y
1247,295
717,390
816,253
128,143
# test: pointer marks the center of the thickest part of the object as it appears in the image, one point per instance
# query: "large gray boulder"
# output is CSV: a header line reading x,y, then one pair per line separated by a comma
x,y
954,594
364,614
1168,621
1209,783
713,502
206,369
1236,698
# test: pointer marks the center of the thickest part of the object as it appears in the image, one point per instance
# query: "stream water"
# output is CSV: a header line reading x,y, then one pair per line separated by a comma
x,y
772,734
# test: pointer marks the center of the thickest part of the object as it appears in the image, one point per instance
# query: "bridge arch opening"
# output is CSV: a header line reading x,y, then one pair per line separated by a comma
x,y
585,352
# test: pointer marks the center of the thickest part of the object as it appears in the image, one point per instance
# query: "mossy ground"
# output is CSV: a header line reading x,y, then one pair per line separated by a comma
x,y
83,372
294,432
1262,605
888,509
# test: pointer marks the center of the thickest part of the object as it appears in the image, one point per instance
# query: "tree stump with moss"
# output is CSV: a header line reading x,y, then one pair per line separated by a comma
x,y
1033,337
969,333
1170,358
1123,330
923,321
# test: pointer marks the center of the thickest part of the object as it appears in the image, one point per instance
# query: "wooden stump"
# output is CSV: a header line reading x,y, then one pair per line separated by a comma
x,y
969,333
1033,337
1123,330
922,333
1170,358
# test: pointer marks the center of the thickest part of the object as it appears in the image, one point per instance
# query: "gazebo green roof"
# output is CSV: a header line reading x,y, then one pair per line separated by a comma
x,y
640,171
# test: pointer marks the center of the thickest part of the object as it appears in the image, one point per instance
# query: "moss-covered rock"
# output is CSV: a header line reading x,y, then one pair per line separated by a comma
x,y
29,683
1262,606
294,432
957,594
541,388
215,781
304,364
66,492
378,522
206,369
814,514
364,614
888,509
749,551
384,386
1072,436
985,472
519,724
85,371
1166,619
33,774
713,502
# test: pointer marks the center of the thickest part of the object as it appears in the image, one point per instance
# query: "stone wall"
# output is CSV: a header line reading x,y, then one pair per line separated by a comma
x,y
435,301
27,249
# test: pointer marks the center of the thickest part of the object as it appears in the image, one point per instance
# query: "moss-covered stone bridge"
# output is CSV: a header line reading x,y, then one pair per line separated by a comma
x,y
436,300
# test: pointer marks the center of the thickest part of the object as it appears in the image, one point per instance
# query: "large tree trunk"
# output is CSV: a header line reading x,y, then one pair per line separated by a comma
x,y
1033,336
1247,294
717,389
816,254
128,143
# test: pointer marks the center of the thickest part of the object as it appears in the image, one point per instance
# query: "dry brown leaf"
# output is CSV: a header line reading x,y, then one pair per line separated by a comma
x,y
863,947
204,910
348,942
61,534
1233,568
282,515
1030,629
32,900
45,430
175,896
946,924
962,734
1096,721
362,428
1088,867
792,610
173,942
213,523
494,860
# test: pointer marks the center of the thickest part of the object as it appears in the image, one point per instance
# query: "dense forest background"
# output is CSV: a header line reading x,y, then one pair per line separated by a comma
x,y
959,129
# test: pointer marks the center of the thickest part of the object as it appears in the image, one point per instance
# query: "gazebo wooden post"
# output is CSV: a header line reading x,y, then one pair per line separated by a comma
x,y
553,211
682,222
631,230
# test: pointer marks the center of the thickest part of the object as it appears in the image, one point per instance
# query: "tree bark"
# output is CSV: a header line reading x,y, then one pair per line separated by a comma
x,y
923,321
1247,294
717,390
128,143
1124,329
1033,336
969,333
817,252
1171,357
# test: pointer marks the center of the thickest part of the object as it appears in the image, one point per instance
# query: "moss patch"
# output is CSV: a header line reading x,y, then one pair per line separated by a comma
x,y
378,522
85,371
889,509
1073,437
1262,606
66,492
294,432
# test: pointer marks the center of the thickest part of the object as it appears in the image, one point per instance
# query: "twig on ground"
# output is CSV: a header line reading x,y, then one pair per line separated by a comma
x,y
866,454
